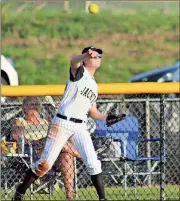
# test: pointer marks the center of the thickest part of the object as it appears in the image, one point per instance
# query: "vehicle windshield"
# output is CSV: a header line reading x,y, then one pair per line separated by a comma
x,y
161,77
176,75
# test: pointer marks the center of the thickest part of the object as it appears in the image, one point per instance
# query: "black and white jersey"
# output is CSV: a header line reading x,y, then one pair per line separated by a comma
x,y
79,95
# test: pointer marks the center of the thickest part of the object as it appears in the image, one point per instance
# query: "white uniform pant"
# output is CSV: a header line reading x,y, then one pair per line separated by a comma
x,y
59,132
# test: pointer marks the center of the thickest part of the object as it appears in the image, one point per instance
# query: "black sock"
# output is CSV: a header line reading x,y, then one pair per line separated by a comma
x,y
99,185
29,178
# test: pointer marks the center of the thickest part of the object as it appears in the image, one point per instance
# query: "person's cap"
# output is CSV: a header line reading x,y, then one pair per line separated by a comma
x,y
92,48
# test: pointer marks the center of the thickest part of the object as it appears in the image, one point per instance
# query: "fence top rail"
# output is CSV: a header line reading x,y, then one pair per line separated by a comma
x,y
138,100
107,89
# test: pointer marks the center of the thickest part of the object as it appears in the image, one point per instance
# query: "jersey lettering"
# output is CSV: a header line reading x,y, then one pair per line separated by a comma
x,y
89,94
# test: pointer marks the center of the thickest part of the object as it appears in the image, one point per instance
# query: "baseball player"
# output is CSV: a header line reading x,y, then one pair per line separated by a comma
x,y
78,102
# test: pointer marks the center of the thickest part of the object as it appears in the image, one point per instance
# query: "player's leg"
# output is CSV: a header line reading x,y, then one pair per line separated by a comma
x,y
83,143
57,137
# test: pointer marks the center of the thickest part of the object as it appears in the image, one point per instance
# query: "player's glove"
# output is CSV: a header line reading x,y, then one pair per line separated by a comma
x,y
112,119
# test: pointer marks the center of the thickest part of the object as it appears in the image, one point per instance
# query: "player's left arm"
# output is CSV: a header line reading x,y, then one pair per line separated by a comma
x,y
96,114
109,118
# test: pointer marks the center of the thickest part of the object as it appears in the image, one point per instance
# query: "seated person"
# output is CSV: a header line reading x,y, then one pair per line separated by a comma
x,y
34,130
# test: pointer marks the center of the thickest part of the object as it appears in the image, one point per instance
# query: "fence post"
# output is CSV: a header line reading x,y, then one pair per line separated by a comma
x,y
86,6
148,147
75,179
66,5
162,147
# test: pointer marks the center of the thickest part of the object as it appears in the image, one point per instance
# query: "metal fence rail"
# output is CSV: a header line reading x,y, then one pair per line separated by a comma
x,y
153,118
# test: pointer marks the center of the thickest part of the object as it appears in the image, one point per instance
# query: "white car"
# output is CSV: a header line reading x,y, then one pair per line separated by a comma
x,y
9,75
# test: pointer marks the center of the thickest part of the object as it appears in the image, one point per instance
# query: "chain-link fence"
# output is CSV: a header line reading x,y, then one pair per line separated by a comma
x,y
139,155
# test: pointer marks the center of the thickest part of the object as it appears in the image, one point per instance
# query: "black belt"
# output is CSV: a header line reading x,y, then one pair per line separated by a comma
x,y
71,119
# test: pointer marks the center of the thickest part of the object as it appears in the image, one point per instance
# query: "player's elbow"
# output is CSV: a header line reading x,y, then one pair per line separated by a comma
x,y
92,114
74,64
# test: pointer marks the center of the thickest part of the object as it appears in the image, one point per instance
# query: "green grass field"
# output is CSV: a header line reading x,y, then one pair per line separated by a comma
x,y
41,42
114,193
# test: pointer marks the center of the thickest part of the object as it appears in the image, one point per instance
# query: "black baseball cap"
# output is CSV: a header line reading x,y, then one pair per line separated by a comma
x,y
92,48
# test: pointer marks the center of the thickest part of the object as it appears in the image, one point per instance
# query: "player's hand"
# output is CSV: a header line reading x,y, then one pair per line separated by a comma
x,y
91,53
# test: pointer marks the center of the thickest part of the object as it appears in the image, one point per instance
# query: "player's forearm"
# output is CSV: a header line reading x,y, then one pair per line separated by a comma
x,y
97,115
76,60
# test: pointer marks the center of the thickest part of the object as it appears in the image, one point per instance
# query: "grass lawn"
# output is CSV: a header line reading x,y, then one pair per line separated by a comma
x,y
134,43
113,193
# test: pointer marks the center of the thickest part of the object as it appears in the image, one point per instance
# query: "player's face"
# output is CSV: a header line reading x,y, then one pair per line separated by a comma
x,y
94,62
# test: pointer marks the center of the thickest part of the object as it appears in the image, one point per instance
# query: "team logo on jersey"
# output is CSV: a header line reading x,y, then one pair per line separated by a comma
x,y
88,93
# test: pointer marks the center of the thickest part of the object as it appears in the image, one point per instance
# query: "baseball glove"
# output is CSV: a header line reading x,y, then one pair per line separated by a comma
x,y
112,119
